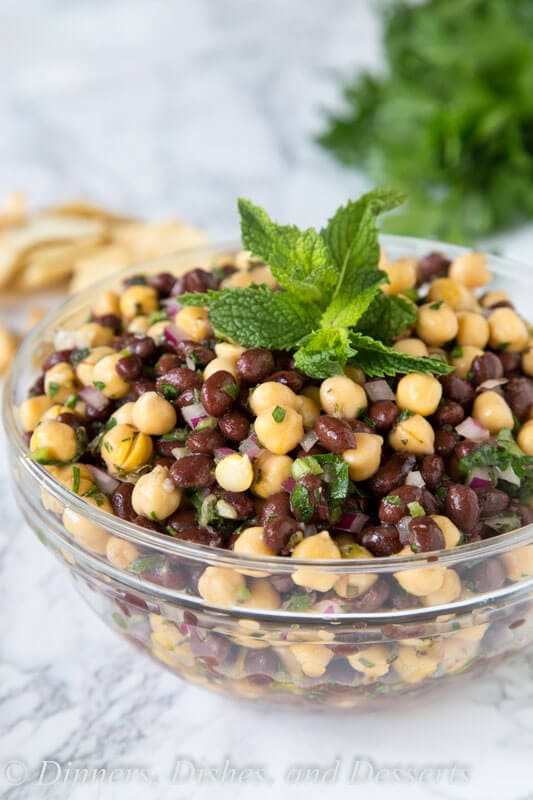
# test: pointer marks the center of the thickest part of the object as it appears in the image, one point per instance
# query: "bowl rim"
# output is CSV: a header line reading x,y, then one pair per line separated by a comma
x,y
216,555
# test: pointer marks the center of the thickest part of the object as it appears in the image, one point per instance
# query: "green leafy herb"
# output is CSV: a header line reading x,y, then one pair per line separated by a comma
x,y
157,316
53,388
78,355
415,509
436,306
76,479
177,435
300,602
301,502
392,500
308,465
152,563
154,516
99,385
96,495
40,455
279,414
457,352
169,391
243,594
501,456
377,360
337,478
71,401
111,422
232,389
405,414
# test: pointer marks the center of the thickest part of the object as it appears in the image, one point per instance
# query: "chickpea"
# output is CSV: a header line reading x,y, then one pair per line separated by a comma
x,y
237,280
139,325
228,351
55,440
401,275
473,633
457,654
413,435
507,330
124,449
270,471
453,294
60,382
448,592
470,270
75,477
157,331
155,496
137,300
92,537
414,666
318,546
263,275
92,334
270,394
473,329
194,321
462,359
279,429
341,397
491,411
308,410
8,347
495,296
527,359
525,437
373,661
85,367
419,393
420,581
107,303
356,584
221,365
124,414
312,658
221,586
412,347
262,595
251,543
165,633
436,323
107,379
33,409
519,563
364,459
120,553
153,415
234,473
452,534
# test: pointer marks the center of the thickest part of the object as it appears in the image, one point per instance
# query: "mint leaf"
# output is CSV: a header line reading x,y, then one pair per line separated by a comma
x,y
299,260
387,317
258,317
203,299
324,352
377,360
352,238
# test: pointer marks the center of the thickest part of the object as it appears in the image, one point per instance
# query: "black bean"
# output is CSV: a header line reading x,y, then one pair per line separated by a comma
x,y
142,346
491,502
193,472
205,442
167,362
199,353
449,413
358,426
289,377
121,501
334,434
141,387
129,368
383,414
392,473
213,649
278,531
519,395
487,576
510,363
197,280
179,379
210,538
486,367
108,321
432,470
425,535
72,420
235,425
277,505
163,283
255,364
456,388
463,449
149,524
371,600
462,507
524,512
261,662
182,519
434,265
381,540
37,387
218,393
394,505
57,357
445,440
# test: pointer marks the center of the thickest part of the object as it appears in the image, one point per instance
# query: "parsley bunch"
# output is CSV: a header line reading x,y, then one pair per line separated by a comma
x,y
331,309
451,121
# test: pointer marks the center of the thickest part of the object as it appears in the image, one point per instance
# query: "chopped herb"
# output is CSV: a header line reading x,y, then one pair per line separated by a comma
x,y
404,441
406,413
152,563
40,455
457,352
502,345
76,475
157,316
279,413
501,456
111,422
441,493
366,662
53,388
119,619
415,509
366,419
243,594
232,389
154,516
436,306
125,353
108,446
308,465
353,550
170,530
99,385
96,494
392,500
71,401
209,423
78,355
169,391
300,602
177,435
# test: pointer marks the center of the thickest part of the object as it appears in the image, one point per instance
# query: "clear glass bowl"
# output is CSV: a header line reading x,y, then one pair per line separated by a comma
x,y
369,637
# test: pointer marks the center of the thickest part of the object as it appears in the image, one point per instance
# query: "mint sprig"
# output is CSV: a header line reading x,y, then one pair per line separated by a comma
x,y
330,308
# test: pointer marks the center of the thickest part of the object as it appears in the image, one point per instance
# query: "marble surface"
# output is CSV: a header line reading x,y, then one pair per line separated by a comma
x,y
177,107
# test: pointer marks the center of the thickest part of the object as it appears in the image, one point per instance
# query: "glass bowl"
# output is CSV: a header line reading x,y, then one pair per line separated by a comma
x,y
314,634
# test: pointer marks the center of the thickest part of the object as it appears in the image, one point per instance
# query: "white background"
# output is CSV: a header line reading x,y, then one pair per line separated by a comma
x,y
165,108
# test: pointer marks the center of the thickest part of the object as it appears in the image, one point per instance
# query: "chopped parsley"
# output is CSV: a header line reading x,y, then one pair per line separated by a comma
x,y
436,306
96,494
71,401
243,594
99,385
169,391
232,390
279,414
457,352
76,479
415,509
300,602
406,413
78,355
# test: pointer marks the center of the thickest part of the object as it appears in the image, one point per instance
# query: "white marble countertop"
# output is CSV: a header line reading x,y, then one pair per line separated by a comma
x,y
178,107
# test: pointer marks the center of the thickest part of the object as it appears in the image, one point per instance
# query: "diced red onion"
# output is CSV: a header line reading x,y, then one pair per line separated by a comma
x,y
288,484
308,441
94,397
250,447
104,481
223,452
378,390
327,607
194,414
492,383
480,478
414,478
174,335
352,522
471,429
508,475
